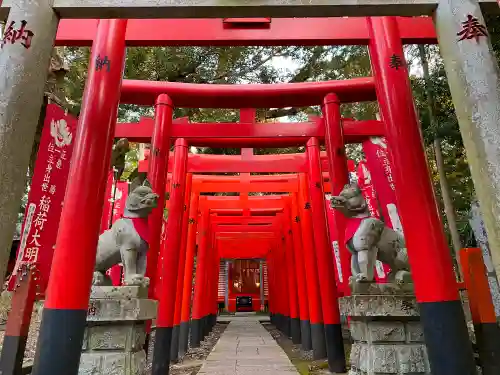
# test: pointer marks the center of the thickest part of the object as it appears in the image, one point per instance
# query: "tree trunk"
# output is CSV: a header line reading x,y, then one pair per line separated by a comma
x,y
447,201
443,182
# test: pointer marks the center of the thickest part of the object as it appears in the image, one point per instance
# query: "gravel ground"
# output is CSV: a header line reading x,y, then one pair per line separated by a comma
x,y
191,363
302,360
29,352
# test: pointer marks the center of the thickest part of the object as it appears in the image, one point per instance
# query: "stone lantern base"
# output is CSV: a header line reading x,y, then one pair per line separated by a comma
x,y
385,327
115,334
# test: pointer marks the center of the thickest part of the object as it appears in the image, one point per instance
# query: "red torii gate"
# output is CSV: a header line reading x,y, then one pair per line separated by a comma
x,y
276,204
442,314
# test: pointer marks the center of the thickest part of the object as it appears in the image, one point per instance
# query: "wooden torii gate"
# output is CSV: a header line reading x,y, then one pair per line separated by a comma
x,y
475,87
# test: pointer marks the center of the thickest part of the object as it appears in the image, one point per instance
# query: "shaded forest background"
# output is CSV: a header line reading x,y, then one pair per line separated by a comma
x,y
230,65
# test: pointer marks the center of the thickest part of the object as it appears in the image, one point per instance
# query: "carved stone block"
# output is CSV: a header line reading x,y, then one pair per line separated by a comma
x,y
388,338
358,331
108,310
412,359
113,363
379,305
386,331
115,335
414,332
382,359
355,356
120,292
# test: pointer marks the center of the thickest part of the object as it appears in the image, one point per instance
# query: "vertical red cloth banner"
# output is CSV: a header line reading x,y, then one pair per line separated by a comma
x,y
339,277
121,195
366,185
377,161
46,195
337,258
120,198
106,213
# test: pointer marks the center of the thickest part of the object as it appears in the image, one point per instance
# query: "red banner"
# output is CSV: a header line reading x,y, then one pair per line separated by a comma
x,y
377,160
341,255
380,169
366,186
106,212
120,199
337,259
46,195
115,205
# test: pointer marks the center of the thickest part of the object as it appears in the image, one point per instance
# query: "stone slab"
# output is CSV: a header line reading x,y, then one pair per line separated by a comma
x,y
125,337
247,348
118,292
112,310
372,288
389,359
379,306
112,363
242,8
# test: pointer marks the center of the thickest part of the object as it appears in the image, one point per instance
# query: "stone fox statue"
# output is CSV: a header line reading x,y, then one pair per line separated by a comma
x,y
369,239
127,240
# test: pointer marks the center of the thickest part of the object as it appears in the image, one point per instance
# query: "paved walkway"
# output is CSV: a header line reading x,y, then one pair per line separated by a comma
x,y
247,348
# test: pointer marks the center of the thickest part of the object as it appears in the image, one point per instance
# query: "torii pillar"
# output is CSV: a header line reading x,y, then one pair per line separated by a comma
x,y
24,64
474,80
441,311
65,311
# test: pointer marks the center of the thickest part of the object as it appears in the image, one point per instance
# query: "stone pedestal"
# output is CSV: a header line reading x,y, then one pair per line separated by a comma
x,y
386,332
115,335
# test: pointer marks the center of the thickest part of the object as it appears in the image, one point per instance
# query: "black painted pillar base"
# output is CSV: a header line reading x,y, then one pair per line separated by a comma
x,y
488,343
196,333
206,326
11,361
146,342
174,350
295,330
203,327
161,353
60,342
287,326
318,340
447,339
335,348
305,335
277,321
183,338
209,323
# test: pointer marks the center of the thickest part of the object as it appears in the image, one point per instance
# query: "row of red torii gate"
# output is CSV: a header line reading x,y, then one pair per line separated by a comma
x,y
67,294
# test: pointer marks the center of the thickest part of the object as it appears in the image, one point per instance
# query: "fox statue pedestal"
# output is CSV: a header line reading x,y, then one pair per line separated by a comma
x,y
115,334
386,331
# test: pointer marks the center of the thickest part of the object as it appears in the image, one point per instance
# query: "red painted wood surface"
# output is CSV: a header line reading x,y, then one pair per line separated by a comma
x,y
281,31
243,134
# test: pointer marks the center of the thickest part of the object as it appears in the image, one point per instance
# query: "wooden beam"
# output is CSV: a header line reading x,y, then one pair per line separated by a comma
x,y
239,8
214,32
280,134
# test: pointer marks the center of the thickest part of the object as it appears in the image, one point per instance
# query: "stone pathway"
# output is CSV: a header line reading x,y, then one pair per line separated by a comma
x,y
247,348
